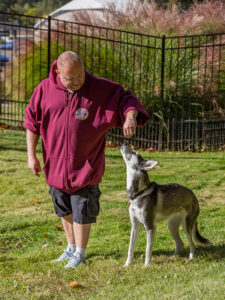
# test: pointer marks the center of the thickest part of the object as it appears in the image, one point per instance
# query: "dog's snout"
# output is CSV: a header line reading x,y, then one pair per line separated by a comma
x,y
123,146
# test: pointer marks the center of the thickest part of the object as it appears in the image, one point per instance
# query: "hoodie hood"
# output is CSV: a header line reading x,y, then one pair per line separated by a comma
x,y
54,78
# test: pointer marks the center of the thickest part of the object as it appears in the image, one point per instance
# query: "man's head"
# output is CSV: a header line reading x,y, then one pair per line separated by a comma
x,y
70,70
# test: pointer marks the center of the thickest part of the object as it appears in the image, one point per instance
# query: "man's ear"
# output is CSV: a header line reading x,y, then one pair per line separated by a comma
x,y
57,71
148,164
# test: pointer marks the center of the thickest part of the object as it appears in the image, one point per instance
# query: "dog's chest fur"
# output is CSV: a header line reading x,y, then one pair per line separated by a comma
x,y
143,207
137,211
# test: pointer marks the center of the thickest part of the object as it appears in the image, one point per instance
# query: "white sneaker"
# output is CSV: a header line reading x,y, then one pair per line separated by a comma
x,y
75,261
66,255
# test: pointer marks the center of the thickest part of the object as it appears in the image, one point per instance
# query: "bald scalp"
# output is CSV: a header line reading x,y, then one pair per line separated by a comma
x,y
68,58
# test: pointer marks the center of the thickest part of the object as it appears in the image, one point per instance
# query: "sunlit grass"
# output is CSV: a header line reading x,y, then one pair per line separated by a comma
x,y
28,223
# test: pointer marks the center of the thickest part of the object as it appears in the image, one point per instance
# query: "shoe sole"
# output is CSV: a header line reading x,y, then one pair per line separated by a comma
x,y
57,261
70,267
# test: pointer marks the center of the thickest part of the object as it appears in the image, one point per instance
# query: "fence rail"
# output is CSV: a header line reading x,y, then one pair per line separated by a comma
x,y
178,79
182,135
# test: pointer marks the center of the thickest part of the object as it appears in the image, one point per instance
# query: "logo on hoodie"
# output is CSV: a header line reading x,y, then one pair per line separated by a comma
x,y
81,113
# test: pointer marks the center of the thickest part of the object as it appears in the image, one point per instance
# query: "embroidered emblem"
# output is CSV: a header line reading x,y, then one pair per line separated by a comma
x,y
81,113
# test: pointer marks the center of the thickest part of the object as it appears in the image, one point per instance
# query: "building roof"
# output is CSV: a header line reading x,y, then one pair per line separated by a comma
x,y
77,5
90,4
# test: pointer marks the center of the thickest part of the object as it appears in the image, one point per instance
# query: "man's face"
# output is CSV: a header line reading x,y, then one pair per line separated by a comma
x,y
72,76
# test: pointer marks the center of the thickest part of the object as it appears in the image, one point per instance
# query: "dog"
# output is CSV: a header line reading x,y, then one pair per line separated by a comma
x,y
150,203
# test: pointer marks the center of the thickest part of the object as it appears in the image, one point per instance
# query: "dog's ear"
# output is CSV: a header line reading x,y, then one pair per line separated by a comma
x,y
148,164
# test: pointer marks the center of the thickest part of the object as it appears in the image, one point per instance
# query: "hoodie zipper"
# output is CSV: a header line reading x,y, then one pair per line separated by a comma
x,y
68,106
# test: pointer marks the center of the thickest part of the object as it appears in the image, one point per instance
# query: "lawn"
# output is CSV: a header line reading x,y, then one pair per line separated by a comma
x,y
31,236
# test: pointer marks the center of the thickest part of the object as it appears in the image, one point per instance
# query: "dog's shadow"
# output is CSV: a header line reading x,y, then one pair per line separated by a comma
x,y
210,253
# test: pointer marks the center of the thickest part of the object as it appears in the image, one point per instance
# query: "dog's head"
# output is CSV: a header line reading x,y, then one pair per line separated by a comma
x,y
134,161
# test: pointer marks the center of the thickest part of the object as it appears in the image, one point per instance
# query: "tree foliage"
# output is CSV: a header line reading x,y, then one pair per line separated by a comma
x,y
31,7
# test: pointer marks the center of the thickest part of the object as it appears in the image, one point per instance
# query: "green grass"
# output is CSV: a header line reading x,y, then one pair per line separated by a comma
x,y
28,221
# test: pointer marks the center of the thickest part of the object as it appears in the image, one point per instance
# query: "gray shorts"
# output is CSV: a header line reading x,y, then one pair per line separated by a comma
x,y
83,204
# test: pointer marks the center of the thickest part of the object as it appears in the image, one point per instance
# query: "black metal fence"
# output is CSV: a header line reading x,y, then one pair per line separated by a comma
x,y
184,135
180,80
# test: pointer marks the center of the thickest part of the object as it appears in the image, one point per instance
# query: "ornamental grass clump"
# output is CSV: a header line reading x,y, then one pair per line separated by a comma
x,y
145,17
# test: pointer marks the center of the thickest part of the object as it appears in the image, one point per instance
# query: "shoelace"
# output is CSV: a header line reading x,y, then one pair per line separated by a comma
x,y
73,260
66,253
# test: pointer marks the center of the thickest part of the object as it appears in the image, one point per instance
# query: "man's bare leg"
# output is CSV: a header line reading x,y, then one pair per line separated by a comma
x,y
67,222
81,232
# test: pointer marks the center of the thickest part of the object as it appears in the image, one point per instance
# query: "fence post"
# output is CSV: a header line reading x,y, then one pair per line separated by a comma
x,y
161,121
162,69
49,44
196,136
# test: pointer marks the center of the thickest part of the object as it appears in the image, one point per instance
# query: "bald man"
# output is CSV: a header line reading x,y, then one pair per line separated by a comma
x,y
72,111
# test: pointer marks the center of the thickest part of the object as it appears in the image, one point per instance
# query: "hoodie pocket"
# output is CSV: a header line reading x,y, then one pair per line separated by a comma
x,y
54,172
78,175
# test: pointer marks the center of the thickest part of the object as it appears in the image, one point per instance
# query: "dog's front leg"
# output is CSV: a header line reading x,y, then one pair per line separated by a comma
x,y
150,239
133,237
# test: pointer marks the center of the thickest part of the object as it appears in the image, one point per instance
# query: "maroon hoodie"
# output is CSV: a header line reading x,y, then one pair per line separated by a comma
x,y
73,127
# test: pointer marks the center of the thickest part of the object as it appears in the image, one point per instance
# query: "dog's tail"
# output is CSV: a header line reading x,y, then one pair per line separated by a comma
x,y
198,237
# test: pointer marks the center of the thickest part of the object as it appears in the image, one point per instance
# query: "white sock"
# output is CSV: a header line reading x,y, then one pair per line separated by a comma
x,y
80,252
71,247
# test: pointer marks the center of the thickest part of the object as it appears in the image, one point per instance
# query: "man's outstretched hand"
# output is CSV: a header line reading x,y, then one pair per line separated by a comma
x,y
130,124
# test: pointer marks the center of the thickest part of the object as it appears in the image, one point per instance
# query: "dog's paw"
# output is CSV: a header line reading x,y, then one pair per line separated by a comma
x,y
191,257
126,264
179,249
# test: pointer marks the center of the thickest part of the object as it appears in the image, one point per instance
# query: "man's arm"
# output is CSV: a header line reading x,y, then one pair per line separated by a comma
x,y
33,162
130,124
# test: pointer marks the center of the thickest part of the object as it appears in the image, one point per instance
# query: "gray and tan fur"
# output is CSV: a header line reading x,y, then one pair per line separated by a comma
x,y
151,203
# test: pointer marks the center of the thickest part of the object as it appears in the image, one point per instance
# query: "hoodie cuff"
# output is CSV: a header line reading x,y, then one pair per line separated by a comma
x,y
30,126
142,117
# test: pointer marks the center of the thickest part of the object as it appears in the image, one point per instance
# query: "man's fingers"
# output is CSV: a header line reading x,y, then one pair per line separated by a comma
x,y
129,128
35,167
129,132
36,171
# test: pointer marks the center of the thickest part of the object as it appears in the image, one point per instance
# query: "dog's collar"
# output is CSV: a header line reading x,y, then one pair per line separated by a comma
x,y
141,193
